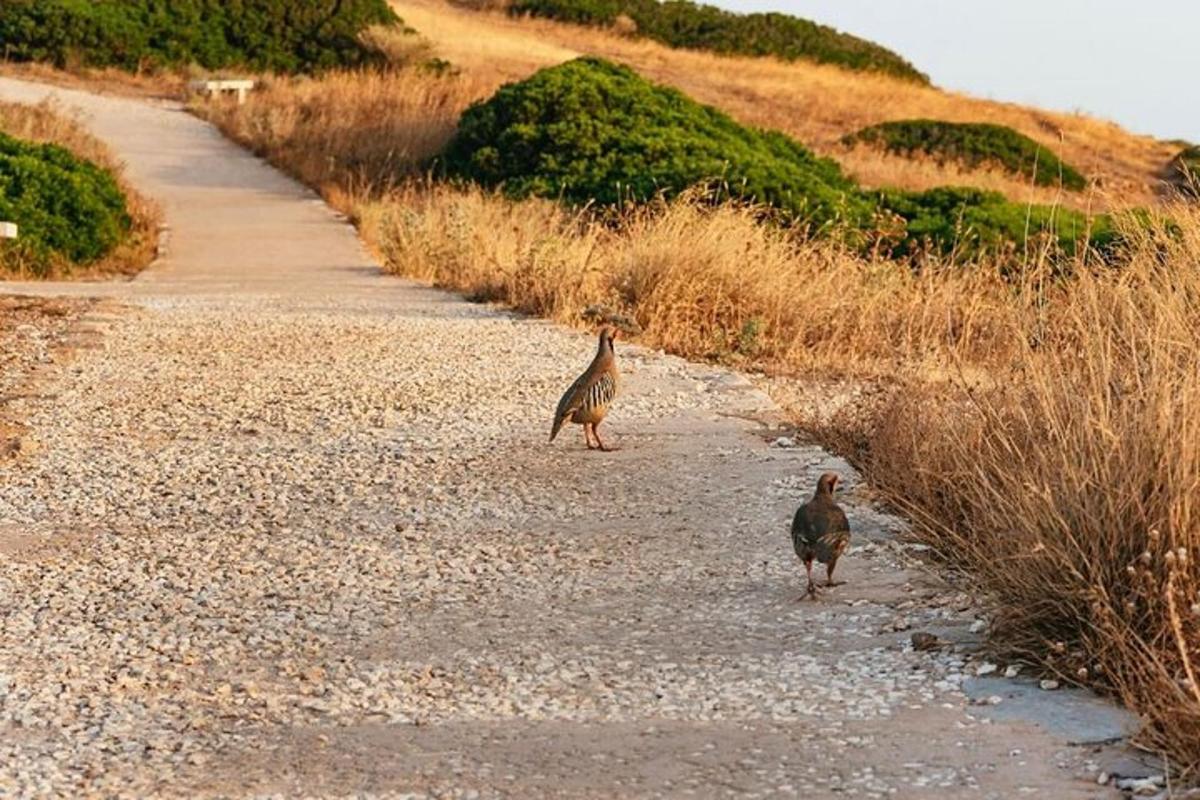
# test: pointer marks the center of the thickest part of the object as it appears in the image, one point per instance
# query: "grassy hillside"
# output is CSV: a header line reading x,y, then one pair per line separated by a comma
x,y
142,34
974,145
679,23
592,132
815,104
64,191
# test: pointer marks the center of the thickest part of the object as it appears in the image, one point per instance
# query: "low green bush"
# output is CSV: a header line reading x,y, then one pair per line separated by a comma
x,y
970,221
594,133
973,145
67,209
679,23
276,35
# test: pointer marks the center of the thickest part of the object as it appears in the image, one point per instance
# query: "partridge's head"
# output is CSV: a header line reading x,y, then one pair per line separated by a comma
x,y
827,483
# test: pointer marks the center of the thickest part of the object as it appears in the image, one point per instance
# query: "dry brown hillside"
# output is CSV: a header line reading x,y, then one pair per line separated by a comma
x,y
817,104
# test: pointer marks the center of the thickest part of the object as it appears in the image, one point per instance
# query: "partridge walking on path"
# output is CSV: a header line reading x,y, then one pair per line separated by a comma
x,y
589,397
820,530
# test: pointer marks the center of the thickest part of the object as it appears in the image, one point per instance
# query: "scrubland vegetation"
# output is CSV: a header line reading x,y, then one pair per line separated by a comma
x,y
1030,404
679,23
815,104
974,145
144,34
593,132
65,192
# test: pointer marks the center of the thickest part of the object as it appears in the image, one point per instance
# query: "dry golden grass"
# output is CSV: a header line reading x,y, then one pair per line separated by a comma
x,y
815,103
1069,484
103,81
701,281
46,122
348,130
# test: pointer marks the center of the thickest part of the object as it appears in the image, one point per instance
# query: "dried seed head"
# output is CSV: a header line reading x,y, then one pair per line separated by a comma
x,y
1154,534
1146,557
1082,673
1170,558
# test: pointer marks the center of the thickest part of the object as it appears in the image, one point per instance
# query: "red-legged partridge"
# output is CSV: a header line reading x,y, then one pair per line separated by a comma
x,y
820,530
587,401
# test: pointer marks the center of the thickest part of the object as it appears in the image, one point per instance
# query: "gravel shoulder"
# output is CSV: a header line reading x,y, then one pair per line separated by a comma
x,y
301,535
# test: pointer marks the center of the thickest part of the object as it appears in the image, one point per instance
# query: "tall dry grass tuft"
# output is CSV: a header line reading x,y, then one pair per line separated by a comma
x,y
702,281
349,130
1069,484
48,122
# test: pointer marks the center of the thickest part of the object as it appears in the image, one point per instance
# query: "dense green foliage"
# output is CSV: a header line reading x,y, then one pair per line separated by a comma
x,y
67,209
591,132
278,35
974,145
969,220
679,23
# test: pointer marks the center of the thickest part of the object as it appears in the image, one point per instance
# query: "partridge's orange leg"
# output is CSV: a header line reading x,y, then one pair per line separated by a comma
x,y
599,441
587,435
829,574
812,587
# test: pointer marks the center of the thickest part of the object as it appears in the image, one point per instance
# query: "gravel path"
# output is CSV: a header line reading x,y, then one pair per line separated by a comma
x,y
293,529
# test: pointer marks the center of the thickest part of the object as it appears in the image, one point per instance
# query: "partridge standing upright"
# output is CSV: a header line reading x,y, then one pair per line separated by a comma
x,y
589,397
820,530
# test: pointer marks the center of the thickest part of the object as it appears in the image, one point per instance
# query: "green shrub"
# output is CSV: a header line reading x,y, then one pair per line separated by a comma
x,y
974,145
277,35
67,209
970,221
679,23
594,132
591,132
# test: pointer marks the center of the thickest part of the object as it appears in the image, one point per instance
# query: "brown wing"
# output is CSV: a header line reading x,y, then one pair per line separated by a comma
x,y
570,402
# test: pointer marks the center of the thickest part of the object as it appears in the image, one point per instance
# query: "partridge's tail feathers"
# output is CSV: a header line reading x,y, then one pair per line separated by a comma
x,y
558,423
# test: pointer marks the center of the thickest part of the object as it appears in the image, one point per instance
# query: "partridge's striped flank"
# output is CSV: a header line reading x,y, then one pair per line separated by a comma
x,y
587,400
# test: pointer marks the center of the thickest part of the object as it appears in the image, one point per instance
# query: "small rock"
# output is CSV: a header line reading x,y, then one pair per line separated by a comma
x,y
1048,684
924,642
986,668
1102,779
978,625
1012,670
784,441
900,624
1141,786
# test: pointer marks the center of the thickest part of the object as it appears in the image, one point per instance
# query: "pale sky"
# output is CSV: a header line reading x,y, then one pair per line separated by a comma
x,y
1137,63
